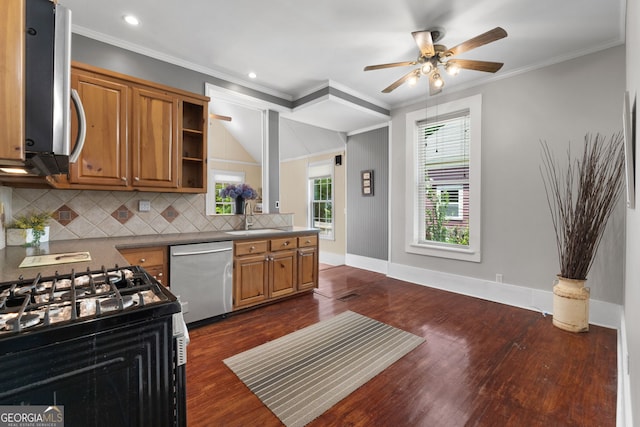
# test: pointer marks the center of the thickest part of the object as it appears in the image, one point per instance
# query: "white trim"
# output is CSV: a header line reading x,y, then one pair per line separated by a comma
x,y
366,263
318,154
601,313
328,163
624,413
472,252
369,129
331,258
235,162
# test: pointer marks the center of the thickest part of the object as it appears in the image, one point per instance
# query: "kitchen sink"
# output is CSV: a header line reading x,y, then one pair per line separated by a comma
x,y
255,231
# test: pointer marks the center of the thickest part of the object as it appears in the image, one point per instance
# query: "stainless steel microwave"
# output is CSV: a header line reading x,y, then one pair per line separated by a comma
x,y
48,93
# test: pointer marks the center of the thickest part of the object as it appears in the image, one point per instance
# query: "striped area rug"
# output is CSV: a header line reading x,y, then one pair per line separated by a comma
x,y
301,375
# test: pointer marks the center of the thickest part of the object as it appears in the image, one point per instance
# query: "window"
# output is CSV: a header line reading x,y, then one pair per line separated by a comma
x,y
219,179
452,196
443,148
321,198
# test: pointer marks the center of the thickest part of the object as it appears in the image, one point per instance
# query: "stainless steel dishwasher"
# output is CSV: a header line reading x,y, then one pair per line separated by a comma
x,y
202,277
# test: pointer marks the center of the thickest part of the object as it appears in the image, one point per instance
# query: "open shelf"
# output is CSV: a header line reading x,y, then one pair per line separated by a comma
x,y
194,146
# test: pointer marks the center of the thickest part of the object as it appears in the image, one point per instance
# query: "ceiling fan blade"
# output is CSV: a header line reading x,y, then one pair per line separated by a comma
x,y
469,64
488,37
398,82
425,43
390,65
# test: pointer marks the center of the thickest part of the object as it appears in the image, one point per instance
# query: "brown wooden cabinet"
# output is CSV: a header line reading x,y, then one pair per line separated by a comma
x,y
307,262
268,269
104,159
153,259
155,139
250,273
12,80
140,135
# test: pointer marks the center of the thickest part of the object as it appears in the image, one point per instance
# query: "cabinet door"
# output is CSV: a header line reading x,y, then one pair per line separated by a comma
x,y
250,279
283,273
103,160
153,259
307,268
12,103
155,139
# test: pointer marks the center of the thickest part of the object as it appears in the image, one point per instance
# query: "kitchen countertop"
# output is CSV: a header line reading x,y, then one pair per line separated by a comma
x,y
104,251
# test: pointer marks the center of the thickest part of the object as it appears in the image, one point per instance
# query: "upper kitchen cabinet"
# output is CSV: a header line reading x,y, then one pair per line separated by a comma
x,y
140,135
155,139
12,79
104,157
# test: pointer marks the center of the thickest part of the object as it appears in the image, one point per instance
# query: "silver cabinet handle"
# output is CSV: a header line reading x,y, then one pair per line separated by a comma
x,y
142,259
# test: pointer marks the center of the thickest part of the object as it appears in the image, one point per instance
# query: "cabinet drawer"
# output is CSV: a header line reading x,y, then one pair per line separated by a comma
x,y
250,248
145,256
284,243
307,241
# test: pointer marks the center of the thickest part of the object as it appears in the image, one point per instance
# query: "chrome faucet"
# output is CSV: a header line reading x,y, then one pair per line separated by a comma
x,y
248,215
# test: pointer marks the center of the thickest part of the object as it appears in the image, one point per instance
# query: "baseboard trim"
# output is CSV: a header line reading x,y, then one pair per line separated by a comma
x,y
624,415
366,263
331,258
600,312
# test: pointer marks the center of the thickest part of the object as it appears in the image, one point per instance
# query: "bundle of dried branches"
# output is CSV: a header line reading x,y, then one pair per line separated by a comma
x,y
582,198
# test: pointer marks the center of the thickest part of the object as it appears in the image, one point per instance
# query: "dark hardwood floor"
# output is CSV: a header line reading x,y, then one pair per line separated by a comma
x,y
483,363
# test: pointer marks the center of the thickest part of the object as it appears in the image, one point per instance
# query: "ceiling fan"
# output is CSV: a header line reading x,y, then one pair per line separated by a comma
x,y
434,57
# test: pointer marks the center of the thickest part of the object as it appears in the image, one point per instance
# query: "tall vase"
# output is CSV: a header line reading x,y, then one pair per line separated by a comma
x,y
239,206
571,305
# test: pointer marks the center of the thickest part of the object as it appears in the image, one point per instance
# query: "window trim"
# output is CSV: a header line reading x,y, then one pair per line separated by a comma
x,y
412,213
326,165
210,204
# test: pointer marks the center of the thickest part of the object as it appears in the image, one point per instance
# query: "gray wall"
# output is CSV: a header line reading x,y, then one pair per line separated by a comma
x,y
632,273
559,103
89,51
367,216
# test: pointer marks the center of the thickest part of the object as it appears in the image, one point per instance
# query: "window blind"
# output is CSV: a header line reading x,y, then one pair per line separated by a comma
x,y
443,154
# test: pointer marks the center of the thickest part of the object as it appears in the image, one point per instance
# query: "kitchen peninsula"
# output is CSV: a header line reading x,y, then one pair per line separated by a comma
x,y
107,252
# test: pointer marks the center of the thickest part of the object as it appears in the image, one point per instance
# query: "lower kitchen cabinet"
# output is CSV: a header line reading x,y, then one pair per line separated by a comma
x,y
153,259
265,270
250,280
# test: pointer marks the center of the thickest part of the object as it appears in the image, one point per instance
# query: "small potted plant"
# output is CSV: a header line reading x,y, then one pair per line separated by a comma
x,y
29,230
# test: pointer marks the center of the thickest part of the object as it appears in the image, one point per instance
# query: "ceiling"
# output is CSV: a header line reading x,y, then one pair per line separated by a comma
x,y
299,46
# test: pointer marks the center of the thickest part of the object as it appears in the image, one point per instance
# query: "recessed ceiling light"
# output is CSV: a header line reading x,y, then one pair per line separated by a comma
x,y
252,75
131,20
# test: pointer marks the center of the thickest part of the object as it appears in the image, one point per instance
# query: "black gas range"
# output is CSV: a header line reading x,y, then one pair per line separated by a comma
x,y
108,346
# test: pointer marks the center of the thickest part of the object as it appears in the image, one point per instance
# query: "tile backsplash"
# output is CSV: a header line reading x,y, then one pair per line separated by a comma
x,y
80,214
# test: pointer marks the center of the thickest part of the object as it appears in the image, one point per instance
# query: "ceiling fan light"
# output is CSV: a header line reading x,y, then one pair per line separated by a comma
x,y
413,79
437,81
426,68
452,69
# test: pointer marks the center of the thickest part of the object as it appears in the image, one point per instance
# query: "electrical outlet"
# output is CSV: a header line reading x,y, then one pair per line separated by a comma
x,y
277,204
144,205
499,278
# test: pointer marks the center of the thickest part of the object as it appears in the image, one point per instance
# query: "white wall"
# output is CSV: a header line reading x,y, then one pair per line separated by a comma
x,y
556,103
632,268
